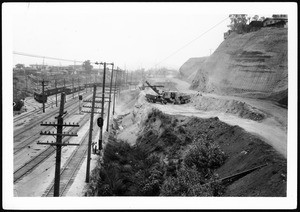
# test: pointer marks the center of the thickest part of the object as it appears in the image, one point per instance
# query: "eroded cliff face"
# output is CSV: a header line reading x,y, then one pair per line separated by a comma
x,y
189,69
248,64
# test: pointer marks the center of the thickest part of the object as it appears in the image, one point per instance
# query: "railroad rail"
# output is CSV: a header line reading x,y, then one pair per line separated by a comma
x,y
71,167
29,140
33,124
35,161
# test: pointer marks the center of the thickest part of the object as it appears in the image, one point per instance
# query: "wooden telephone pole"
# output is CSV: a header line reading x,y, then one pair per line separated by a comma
x,y
59,135
115,90
87,177
56,93
65,89
102,107
92,112
111,81
73,87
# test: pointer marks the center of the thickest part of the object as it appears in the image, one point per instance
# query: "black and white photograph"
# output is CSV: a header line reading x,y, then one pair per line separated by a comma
x,y
149,105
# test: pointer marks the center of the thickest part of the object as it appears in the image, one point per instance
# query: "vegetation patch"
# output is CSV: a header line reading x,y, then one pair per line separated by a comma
x,y
163,162
188,156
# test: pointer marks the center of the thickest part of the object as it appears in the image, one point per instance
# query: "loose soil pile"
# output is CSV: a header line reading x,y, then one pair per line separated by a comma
x,y
232,106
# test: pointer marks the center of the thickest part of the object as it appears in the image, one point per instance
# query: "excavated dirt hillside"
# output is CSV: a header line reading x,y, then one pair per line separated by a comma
x,y
189,69
150,153
250,64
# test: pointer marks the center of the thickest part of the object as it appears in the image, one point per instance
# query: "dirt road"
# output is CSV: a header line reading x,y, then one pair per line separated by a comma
x,y
273,129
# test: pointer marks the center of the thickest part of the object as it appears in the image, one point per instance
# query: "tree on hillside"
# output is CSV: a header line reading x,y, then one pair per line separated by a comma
x,y
238,22
87,66
262,18
20,66
255,18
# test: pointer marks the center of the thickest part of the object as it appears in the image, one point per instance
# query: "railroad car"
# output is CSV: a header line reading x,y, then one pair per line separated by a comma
x,y
40,98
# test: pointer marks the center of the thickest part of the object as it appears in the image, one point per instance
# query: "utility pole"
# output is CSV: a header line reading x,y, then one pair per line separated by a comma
x,y
126,77
91,82
73,87
87,178
111,81
131,79
78,87
58,144
115,90
85,84
56,93
26,78
65,89
102,107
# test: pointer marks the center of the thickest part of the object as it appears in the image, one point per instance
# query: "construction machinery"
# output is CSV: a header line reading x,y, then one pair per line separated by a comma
x,y
173,97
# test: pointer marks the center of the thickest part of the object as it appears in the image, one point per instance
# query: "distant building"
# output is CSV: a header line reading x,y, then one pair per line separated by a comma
x,y
255,25
38,67
75,69
276,21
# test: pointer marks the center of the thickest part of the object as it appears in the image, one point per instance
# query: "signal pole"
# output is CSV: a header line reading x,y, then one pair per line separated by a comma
x,y
58,144
111,81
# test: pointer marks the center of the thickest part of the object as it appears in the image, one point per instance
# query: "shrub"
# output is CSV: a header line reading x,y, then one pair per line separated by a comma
x,y
205,156
188,182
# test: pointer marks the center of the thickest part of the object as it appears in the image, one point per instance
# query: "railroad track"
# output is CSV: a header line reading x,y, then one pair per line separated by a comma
x,y
35,161
71,167
31,112
35,123
32,138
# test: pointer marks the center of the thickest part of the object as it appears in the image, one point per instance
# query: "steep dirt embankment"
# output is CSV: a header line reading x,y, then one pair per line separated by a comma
x,y
252,64
189,69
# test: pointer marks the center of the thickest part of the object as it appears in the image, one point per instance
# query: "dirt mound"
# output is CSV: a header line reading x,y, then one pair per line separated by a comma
x,y
189,69
232,106
245,63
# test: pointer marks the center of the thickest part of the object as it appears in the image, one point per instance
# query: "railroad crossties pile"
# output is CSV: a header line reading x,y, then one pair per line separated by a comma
x,y
150,153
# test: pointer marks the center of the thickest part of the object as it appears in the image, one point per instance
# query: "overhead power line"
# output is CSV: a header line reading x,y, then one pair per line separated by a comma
x,y
45,57
190,42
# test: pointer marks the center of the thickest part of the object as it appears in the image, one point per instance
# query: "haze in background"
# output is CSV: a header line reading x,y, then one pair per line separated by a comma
x,y
133,35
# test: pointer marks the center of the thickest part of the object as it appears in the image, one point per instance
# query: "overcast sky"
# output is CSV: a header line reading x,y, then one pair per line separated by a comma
x,y
132,35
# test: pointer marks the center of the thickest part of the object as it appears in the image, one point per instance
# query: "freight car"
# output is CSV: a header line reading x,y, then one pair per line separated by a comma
x,y
40,98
